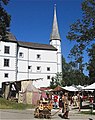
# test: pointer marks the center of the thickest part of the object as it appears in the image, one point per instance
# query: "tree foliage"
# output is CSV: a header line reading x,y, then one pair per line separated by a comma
x,y
71,75
83,33
55,81
91,64
4,19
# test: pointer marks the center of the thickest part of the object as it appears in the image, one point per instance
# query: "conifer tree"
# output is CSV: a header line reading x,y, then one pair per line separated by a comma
x,y
4,20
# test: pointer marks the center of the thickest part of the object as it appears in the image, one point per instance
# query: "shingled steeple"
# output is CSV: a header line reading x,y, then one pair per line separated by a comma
x,y
55,41
55,32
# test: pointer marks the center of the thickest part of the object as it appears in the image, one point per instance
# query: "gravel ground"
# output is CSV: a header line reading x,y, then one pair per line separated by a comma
x,y
29,115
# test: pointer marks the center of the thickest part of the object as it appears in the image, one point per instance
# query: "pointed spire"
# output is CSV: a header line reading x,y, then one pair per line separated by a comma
x,y
55,32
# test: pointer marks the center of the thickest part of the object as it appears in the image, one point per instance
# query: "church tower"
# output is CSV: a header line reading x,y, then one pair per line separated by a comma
x,y
55,41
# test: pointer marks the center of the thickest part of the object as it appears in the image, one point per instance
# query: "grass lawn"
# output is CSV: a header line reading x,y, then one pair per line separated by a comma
x,y
6,104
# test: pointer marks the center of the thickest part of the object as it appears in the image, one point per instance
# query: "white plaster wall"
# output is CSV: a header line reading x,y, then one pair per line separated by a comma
x,y
11,70
25,53
22,76
34,74
48,59
11,56
57,44
12,63
11,76
22,66
41,83
12,46
46,55
43,65
59,63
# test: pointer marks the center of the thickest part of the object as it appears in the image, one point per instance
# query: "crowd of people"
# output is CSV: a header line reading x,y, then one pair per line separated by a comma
x,y
64,102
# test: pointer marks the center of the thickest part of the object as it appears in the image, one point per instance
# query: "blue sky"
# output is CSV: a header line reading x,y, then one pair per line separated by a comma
x,y
31,20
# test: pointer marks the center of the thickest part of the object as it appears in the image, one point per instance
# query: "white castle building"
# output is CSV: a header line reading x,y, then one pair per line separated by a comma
x,y
21,60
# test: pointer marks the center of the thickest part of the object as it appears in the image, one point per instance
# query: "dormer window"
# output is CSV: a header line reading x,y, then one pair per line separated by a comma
x,y
21,55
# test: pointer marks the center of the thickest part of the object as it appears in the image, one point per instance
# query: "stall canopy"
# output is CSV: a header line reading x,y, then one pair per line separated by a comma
x,y
66,88
90,87
80,87
70,88
58,88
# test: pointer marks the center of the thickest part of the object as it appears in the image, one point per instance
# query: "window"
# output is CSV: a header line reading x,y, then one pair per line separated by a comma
x,y
38,68
48,77
6,75
7,49
21,55
29,67
48,68
6,62
38,56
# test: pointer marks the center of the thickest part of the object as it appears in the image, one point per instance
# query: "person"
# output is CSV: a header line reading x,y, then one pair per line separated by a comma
x,y
78,101
70,102
60,101
75,100
94,99
55,101
63,103
66,106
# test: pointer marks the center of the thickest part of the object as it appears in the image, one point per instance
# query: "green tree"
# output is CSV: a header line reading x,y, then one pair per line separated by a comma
x,y
71,75
55,81
91,64
66,68
83,32
4,20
